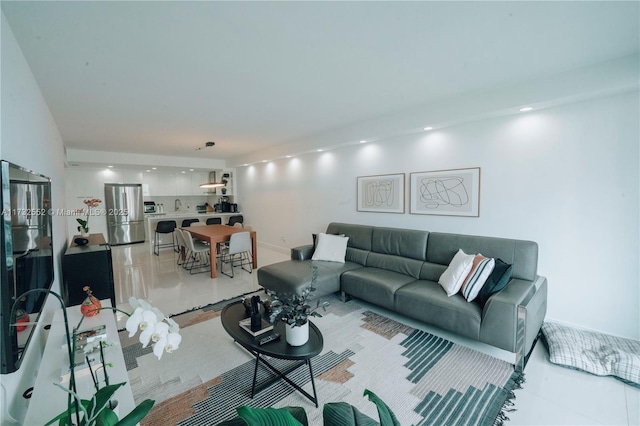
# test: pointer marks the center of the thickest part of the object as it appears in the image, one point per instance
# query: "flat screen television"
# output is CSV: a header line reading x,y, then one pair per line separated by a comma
x,y
27,257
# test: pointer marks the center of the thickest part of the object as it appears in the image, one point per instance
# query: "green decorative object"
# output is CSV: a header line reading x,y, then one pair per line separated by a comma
x,y
267,416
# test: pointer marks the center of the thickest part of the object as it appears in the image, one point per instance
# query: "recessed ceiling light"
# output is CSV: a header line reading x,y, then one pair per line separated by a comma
x,y
428,128
525,109
245,165
154,168
111,167
183,171
264,161
320,150
363,141
191,170
149,170
288,156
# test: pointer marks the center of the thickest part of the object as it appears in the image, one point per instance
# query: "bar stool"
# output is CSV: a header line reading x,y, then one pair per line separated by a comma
x,y
214,221
164,227
235,219
188,222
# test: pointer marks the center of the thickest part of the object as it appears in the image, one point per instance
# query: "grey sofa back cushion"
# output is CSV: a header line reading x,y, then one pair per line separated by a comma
x,y
359,235
400,242
356,255
523,255
402,265
432,271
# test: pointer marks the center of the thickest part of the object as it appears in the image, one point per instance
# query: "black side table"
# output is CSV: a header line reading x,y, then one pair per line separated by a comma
x,y
231,316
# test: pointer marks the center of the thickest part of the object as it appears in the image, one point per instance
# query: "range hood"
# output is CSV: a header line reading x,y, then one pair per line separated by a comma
x,y
213,182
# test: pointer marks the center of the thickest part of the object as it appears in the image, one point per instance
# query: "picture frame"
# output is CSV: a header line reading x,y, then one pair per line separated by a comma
x,y
454,192
381,193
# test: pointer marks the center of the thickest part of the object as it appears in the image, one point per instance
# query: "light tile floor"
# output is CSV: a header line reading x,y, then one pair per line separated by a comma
x,y
551,395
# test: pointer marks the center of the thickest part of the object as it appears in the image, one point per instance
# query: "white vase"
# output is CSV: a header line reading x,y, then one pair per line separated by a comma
x,y
84,234
297,336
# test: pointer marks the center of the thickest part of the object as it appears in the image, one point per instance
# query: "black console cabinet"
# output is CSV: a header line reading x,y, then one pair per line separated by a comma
x,y
91,266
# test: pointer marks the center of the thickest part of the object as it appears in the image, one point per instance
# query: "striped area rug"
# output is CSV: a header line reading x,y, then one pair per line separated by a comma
x,y
425,379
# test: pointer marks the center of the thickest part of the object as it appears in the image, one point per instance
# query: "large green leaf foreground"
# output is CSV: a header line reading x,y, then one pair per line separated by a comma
x,y
334,414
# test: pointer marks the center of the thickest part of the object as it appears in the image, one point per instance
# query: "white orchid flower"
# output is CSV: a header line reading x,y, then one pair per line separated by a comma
x,y
161,330
168,343
173,326
149,319
133,322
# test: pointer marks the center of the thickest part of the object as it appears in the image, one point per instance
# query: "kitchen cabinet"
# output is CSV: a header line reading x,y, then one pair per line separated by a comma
x,y
161,184
183,184
196,180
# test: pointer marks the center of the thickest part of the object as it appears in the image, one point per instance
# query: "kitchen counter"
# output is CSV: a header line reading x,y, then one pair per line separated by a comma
x,y
152,220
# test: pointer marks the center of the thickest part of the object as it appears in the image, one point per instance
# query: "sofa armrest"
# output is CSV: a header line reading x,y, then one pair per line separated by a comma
x,y
302,252
498,326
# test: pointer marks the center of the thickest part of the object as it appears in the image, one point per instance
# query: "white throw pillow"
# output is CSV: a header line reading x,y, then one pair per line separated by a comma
x,y
331,248
451,280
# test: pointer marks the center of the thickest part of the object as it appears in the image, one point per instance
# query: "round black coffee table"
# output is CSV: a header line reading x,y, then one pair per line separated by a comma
x,y
231,316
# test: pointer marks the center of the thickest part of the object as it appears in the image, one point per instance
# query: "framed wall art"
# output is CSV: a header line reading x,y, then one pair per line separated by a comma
x,y
381,193
446,192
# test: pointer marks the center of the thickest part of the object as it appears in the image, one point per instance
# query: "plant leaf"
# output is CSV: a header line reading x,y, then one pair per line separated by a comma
x,y
137,414
343,414
107,417
101,399
387,418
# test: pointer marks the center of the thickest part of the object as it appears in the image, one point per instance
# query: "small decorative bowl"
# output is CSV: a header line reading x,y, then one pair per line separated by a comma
x,y
81,241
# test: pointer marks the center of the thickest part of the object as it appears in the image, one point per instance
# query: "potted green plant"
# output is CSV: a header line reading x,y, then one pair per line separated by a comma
x,y
294,309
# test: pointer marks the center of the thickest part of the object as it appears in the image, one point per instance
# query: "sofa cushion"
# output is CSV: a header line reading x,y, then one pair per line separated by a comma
x,y
374,285
295,275
480,271
330,248
407,243
357,255
498,280
359,235
523,255
428,302
399,264
451,280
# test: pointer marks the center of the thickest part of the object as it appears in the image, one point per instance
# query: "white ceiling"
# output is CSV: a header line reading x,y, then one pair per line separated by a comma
x,y
163,78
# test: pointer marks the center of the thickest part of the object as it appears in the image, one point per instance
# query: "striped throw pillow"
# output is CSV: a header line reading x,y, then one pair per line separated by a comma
x,y
480,271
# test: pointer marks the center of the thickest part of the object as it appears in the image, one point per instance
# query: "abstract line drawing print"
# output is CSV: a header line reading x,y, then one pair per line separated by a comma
x,y
446,192
378,193
438,191
381,193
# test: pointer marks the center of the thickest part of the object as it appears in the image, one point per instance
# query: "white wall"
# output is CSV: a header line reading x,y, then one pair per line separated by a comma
x,y
566,177
29,138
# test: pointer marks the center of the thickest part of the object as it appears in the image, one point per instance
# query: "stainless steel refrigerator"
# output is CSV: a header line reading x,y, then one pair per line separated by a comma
x,y
125,213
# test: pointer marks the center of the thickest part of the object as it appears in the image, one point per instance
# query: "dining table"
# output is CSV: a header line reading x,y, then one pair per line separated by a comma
x,y
216,234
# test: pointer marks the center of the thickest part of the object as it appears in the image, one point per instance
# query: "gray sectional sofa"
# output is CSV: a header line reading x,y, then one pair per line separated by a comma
x,y
399,269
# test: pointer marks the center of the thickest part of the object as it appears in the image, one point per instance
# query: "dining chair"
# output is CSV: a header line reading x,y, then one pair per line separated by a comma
x,y
214,221
239,246
198,253
183,250
164,227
